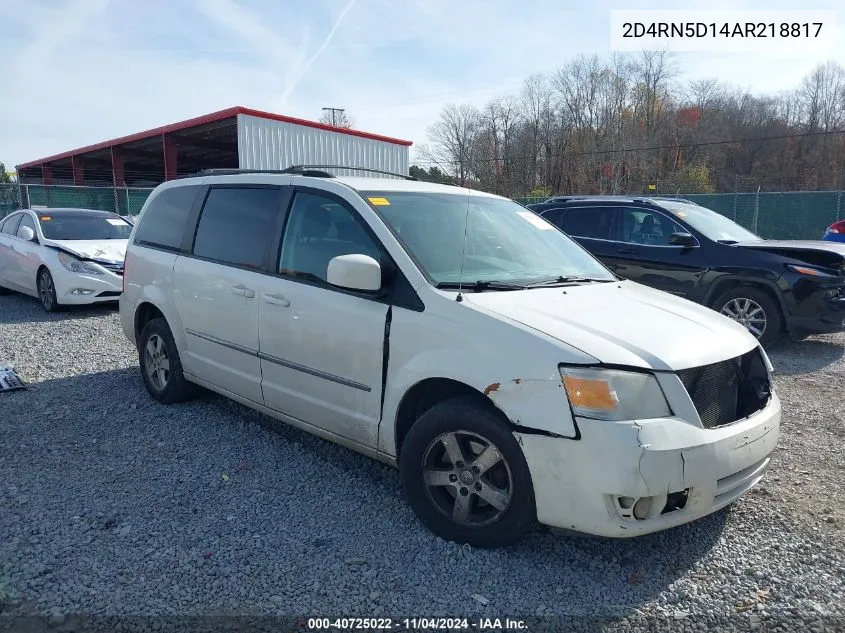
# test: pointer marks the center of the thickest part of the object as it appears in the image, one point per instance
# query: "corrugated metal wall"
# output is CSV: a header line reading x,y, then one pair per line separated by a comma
x,y
267,144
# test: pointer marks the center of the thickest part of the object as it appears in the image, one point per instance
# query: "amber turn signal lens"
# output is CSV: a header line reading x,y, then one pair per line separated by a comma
x,y
590,394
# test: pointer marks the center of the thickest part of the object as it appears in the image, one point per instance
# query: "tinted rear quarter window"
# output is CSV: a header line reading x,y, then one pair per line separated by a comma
x,y
555,216
591,222
163,223
237,225
10,226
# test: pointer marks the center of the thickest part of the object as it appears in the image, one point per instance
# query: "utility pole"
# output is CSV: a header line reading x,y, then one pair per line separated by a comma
x,y
334,112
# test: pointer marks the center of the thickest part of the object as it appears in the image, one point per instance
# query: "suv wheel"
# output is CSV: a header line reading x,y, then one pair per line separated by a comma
x,y
161,368
754,309
465,476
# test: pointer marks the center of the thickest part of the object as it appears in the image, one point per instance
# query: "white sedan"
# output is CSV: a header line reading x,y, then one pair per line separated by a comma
x,y
63,256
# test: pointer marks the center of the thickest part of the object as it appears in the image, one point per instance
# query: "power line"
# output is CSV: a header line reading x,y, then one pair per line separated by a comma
x,y
641,149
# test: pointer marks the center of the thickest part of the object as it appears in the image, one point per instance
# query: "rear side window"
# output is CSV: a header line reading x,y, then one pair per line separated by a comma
x,y
237,225
163,223
10,226
591,222
555,216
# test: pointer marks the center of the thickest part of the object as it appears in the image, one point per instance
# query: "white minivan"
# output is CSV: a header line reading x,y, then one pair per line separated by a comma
x,y
509,375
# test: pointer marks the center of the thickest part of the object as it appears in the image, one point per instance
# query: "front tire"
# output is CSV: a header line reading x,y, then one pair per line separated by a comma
x,y
47,291
161,367
754,309
465,476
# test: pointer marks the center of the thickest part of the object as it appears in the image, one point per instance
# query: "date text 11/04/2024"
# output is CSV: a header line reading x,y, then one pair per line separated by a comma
x,y
416,624
712,29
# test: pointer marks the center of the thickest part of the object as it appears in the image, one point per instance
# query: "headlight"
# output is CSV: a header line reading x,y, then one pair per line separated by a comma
x,y
612,394
807,270
75,265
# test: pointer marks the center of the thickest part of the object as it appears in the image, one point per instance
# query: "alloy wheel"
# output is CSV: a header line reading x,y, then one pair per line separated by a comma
x,y
156,362
46,289
747,312
467,478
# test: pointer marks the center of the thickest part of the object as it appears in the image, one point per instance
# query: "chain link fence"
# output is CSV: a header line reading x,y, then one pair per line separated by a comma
x,y
773,215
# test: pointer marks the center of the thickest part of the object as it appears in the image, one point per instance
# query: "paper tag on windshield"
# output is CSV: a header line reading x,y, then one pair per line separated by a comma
x,y
115,221
536,221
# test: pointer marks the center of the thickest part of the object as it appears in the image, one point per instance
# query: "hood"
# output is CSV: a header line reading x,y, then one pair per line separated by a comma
x,y
816,252
624,323
111,251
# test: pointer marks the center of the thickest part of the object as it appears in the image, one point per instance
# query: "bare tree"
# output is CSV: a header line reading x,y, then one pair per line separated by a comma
x,y
453,137
337,118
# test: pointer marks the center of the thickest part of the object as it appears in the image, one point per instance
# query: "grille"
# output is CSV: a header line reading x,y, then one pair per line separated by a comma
x,y
728,391
117,269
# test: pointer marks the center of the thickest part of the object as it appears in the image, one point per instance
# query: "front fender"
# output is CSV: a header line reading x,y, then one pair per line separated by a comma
x,y
518,373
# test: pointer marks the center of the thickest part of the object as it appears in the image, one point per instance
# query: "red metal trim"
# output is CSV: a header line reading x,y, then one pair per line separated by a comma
x,y
209,118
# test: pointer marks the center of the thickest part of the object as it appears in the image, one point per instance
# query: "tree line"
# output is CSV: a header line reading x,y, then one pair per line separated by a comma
x,y
625,124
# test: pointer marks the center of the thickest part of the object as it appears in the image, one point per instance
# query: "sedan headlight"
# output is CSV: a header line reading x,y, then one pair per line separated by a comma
x,y
613,394
75,265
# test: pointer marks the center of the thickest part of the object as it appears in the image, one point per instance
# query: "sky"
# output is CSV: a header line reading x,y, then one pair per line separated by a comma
x,y
79,72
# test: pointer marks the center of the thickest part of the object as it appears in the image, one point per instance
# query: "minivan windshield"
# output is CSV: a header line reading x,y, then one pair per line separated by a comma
x,y
711,224
505,242
84,226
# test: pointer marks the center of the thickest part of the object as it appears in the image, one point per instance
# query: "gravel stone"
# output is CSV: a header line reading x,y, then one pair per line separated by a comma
x,y
109,503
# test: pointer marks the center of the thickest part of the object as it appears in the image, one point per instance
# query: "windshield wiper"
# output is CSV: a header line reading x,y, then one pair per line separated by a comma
x,y
479,286
567,280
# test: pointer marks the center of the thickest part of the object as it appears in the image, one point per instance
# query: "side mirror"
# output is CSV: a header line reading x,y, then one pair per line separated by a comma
x,y
682,239
354,272
26,233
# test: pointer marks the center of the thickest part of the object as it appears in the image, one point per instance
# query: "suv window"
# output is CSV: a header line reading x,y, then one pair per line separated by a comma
x,y
163,223
318,229
26,220
237,225
555,216
10,226
641,226
588,222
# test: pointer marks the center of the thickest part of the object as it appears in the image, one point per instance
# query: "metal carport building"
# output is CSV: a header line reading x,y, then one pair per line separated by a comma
x,y
237,137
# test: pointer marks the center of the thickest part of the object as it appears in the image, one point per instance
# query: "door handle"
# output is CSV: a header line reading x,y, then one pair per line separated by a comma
x,y
276,300
628,251
242,290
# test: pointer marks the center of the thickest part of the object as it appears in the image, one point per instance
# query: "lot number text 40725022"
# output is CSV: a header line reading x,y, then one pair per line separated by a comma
x,y
416,624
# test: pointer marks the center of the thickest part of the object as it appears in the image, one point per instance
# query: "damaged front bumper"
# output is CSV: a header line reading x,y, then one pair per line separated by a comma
x,y
625,479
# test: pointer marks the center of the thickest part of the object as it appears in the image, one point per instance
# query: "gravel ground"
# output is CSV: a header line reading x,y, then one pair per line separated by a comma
x,y
113,504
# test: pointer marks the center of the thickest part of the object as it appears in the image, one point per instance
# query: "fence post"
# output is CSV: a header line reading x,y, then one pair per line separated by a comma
x,y
128,210
756,207
736,193
839,205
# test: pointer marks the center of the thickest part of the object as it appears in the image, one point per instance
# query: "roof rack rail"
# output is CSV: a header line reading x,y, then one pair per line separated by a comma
x,y
313,171
227,171
297,169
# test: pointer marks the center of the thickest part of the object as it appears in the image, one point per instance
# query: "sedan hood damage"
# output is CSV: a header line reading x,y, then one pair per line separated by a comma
x,y
110,251
816,253
624,323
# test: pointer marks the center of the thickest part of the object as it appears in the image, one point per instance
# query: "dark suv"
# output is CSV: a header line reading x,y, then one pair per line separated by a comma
x,y
771,286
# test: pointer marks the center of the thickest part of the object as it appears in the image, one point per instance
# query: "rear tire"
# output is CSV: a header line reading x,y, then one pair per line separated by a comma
x,y
465,476
161,367
748,305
